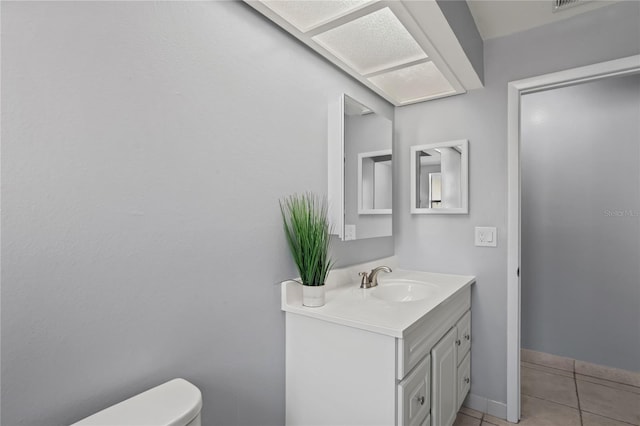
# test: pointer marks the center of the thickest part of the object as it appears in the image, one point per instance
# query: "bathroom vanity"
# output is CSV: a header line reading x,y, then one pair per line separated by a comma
x,y
398,353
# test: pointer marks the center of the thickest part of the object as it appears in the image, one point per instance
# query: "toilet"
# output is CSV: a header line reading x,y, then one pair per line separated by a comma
x,y
174,403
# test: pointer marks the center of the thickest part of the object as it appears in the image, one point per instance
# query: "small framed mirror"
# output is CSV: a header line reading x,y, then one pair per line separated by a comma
x,y
440,178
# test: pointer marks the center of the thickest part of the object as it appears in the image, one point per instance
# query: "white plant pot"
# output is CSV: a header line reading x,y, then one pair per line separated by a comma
x,y
313,295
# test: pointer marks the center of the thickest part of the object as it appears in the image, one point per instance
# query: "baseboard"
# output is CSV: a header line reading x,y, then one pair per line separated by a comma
x,y
485,405
584,368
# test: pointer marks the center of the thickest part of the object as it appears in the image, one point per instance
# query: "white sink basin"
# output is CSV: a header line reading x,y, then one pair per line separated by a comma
x,y
403,290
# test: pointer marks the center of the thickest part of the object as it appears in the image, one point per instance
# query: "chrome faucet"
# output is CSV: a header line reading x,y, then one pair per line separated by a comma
x,y
371,279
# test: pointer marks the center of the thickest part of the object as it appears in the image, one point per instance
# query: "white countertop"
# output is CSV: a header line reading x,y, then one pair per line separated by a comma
x,y
349,305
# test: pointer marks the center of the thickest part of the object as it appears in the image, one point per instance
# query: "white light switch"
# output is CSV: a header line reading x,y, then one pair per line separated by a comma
x,y
486,236
349,232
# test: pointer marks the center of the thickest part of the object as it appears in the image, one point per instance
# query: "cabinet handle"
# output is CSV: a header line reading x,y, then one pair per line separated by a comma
x,y
420,399
458,342
467,336
467,380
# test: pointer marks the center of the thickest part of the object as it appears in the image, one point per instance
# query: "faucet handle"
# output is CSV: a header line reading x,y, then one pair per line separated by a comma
x,y
364,283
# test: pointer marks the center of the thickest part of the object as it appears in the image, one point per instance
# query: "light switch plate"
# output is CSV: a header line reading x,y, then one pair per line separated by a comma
x,y
486,236
349,232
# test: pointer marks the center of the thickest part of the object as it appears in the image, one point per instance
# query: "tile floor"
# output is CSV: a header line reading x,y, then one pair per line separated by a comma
x,y
566,396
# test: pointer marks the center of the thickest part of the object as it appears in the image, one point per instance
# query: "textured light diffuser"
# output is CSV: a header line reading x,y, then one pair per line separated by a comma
x,y
372,43
306,15
414,83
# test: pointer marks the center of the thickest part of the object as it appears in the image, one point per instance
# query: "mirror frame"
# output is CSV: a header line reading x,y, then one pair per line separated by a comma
x,y
464,178
335,163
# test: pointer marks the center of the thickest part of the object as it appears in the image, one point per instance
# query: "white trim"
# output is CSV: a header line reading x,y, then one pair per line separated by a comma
x,y
335,165
485,405
464,178
516,89
496,409
513,253
436,27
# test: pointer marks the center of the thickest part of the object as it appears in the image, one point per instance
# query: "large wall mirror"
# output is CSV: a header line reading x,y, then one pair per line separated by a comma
x,y
440,178
360,170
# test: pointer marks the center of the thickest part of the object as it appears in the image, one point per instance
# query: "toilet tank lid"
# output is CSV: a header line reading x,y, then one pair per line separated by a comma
x,y
174,403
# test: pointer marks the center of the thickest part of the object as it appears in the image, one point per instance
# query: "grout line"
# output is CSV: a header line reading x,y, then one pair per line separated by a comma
x,y
545,369
553,402
575,384
600,380
607,385
553,368
606,417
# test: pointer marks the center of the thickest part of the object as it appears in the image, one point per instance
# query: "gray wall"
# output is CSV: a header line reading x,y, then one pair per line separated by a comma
x,y
581,222
445,243
145,147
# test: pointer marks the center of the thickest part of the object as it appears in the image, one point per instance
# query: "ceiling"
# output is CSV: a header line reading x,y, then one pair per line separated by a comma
x,y
497,18
404,50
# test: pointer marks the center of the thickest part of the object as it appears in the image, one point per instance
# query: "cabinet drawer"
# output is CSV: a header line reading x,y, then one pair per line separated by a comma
x,y
464,335
414,398
464,379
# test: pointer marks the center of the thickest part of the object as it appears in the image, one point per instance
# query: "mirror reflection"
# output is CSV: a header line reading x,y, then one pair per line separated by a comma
x,y
374,182
439,174
365,164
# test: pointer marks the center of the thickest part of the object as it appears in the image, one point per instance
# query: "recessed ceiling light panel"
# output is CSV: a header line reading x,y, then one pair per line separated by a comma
x,y
306,15
414,83
372,43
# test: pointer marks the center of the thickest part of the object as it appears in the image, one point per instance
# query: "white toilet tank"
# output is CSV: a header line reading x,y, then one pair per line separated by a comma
x,y
175,403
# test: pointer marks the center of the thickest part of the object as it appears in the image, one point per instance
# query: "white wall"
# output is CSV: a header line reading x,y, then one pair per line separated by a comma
x,y
445,243
144,149
581,222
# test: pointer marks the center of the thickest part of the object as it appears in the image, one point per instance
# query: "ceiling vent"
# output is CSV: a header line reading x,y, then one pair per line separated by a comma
x,y
559,5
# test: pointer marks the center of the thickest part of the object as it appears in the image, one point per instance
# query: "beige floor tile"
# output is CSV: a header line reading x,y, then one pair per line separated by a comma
x,y
551,387
603,382
490,420
538,412
609,402
547,369
471,412
464,420
589,419
608,373
548,360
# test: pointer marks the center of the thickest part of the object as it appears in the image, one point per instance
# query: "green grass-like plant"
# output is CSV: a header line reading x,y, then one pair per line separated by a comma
x,y
308,233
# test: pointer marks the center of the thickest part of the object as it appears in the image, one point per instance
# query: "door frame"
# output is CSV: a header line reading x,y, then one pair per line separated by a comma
x,y
618,67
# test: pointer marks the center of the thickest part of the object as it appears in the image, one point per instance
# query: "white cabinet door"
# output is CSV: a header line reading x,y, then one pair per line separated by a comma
x,y
444,389
464,379
427,421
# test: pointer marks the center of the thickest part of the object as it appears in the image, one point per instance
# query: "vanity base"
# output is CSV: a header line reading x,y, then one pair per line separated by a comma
x,y
342,375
